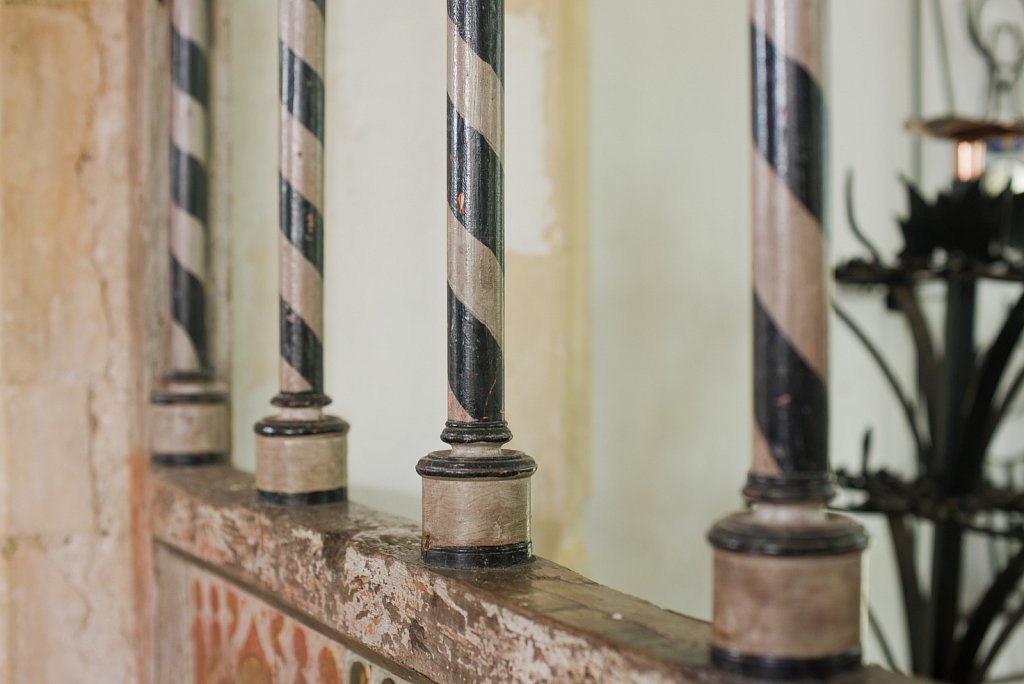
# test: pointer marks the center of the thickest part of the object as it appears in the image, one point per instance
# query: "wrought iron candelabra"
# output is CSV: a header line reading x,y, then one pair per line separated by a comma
x,y
970,234
964,393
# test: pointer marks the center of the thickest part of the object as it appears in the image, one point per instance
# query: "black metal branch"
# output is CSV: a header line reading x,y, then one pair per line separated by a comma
x,y
883,641
1004,406
976,440
1009,627
851,218
913,604
927,361
984,615
865,452
894,384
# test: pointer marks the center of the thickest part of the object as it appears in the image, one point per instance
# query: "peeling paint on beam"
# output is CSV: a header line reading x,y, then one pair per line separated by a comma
x,y
358,571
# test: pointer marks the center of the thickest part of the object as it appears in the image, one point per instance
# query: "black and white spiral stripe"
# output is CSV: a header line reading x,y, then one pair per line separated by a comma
x,y
790,285
188,239
476,260
301,127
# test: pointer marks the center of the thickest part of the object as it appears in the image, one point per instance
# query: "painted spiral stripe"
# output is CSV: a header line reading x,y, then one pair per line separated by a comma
x,y
302,91
481,24
189,70
302,225
477,362
301,134
301,348
188,239
790,401
790,293
789,121
475,184
476,251
188,307
188,184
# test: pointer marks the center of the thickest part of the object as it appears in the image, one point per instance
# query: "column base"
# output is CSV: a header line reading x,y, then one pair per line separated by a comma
x,y
785,669
787,592
301,459
189,423
476,508
479,557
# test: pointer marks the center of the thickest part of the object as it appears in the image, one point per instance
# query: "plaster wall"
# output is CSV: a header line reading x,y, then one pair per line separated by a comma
x,y
70,362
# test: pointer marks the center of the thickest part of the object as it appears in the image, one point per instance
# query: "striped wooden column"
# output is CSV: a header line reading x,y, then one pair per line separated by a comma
x,y
301,452
476,496
787,573
189,413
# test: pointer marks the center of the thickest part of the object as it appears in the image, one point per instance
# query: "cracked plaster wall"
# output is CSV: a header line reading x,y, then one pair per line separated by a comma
x,y
70,383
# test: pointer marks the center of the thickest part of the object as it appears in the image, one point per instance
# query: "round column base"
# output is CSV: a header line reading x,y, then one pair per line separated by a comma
x,y
479,557
785,669
189,424
301,461
476,508
787,593
287,500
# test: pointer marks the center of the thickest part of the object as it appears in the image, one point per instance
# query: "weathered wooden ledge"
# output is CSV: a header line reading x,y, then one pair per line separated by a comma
x,y
357,572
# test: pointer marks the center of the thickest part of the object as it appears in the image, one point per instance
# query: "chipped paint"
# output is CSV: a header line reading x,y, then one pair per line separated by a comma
x,y
358,572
